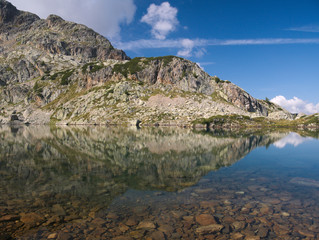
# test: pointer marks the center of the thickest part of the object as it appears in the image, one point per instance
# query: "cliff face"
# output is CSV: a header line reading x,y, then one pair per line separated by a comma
x,y
59,71
31,46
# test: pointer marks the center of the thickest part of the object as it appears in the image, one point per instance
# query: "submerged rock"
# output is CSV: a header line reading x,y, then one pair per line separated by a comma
x,y
213,228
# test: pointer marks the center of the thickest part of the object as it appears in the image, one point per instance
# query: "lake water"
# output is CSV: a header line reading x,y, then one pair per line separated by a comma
x,y
112,183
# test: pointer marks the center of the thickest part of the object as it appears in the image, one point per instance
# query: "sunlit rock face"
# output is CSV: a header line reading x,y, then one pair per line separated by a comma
x,y
52,70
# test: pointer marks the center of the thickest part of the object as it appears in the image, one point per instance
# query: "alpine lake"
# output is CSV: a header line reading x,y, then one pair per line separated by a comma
x,y
94,182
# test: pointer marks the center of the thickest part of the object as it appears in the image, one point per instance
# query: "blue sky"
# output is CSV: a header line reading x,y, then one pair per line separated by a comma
x,y
270,48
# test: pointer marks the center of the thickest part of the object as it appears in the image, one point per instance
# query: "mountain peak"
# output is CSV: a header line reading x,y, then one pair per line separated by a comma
x,y
11,19
54,19
7,11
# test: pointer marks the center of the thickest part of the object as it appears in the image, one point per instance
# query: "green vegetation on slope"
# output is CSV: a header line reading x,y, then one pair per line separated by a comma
x,y
239,121
139,63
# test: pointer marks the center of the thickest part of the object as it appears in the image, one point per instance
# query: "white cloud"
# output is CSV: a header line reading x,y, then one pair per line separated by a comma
x,y
264,41
188,46
178,43
162,18
206,63
308,28
200,52
198,64
292,138
296,105
104,16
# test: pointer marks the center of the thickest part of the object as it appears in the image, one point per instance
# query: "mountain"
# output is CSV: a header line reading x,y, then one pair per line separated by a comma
x,y
60,72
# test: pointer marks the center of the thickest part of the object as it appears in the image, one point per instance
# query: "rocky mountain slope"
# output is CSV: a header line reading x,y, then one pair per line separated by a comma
x,y
55,71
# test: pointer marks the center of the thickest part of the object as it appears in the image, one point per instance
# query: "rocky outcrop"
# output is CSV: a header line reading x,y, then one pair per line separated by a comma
x,y
169,70
234,94
52,67
13,20
7,12
31,46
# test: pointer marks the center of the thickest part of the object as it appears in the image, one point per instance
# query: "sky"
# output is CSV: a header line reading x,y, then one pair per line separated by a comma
x,y
270,48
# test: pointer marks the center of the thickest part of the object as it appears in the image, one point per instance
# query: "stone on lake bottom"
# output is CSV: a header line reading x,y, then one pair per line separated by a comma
x,y
205,219
32,219
238,225
64,236
58,209
123,227
146,225
307,233
213,228
157,235
8,218
263,232
53,236
167,229
131,222
285,214
237,236
137,234
252,238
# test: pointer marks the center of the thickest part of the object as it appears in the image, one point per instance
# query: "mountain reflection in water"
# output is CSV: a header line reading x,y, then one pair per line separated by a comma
x,y
63,173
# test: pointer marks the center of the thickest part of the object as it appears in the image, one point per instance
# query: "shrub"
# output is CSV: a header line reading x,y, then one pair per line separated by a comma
x,y
217,79
131,67
267,100
94,67
65,77
37,88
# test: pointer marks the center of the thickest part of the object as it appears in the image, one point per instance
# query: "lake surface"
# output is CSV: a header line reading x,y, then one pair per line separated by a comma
x,y
112,183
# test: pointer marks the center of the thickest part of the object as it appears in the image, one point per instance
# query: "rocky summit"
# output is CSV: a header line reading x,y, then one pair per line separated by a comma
x,y
59,72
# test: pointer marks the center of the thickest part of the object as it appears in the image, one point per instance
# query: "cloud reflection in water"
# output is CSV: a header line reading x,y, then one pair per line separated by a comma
x,y
292,138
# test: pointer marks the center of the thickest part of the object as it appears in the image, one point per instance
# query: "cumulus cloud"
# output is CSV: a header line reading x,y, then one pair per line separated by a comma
x,y
188,46
296,105
104,16
162,18
292,138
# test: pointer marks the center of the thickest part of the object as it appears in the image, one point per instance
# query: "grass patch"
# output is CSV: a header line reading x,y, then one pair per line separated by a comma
x,y
92,67
131,67
65,77
258,122
63,98
138,64
9,69
165,59
216,79
221,119
38,88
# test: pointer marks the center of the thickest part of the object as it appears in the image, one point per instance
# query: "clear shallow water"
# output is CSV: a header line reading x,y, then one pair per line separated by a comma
x,y
105,183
